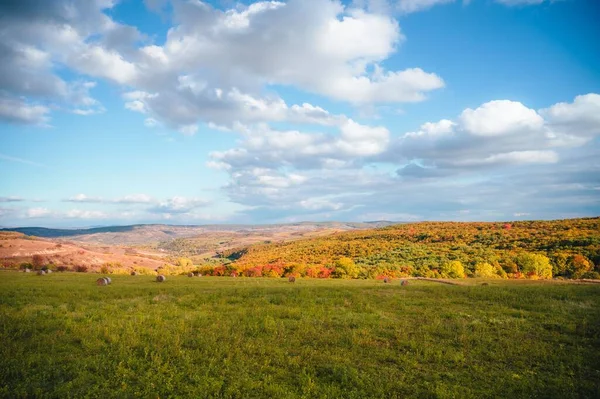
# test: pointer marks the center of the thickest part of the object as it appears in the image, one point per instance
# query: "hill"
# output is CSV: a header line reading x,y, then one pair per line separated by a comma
x,y
18,250
154,233
572,248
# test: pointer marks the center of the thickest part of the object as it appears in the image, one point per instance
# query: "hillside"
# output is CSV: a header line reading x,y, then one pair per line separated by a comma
x,y
18,250
425,249
147,247
154,233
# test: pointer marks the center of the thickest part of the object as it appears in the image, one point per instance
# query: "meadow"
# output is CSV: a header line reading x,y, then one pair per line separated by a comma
x,y
220,337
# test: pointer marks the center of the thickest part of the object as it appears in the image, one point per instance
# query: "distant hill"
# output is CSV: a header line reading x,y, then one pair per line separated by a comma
x,y
153,233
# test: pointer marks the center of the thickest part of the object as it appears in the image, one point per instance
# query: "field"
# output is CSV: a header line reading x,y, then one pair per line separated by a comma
x,y
219,337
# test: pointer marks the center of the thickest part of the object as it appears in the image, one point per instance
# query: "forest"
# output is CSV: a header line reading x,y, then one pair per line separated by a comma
x,y
523,249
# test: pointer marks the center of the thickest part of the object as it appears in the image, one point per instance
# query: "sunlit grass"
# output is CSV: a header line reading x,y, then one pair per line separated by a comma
x,y
63,336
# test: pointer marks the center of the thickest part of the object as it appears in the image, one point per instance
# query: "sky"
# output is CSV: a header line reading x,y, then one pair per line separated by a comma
x,y
116,112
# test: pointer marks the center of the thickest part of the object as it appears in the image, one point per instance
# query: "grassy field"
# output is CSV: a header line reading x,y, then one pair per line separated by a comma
x,y
62,336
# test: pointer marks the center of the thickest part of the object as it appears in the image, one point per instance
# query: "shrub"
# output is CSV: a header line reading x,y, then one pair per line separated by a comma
x,y
26,265
324,272
591,276
81,268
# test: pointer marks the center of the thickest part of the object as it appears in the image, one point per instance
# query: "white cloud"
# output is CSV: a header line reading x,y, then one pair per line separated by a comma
x,y
320,204
84,198
579,118
410,6
278,173
134,199
520,2
33,213
513,157
18,111
84,214
214,63
178,205
500,117
264,147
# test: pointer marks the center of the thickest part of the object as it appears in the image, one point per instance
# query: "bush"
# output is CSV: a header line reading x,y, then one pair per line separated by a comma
x,y
81,268
26,265
591,276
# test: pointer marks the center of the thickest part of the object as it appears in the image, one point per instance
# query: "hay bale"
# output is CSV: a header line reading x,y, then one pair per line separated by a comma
x,y
27,271
404,282
40,272
108,280
190,274
160,278
386,280
48,271
102,281
292,279
485,283
134,273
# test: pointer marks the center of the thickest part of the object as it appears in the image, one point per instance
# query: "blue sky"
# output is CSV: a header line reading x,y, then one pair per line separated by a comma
x,y
179,111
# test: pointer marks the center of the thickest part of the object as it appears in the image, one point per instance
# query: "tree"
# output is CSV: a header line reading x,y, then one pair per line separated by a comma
x,y
37,261
345,268
453,269
578,265
559,264
485,270
535,265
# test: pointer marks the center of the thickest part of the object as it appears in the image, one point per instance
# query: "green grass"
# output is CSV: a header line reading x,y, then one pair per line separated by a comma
x,y
62,336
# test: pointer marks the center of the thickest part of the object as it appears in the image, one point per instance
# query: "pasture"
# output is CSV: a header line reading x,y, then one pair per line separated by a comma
x,y
218,337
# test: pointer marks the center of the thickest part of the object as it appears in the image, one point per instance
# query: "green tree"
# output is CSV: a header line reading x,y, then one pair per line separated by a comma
x,y
485,270
535,265
559,263
345,268
453,269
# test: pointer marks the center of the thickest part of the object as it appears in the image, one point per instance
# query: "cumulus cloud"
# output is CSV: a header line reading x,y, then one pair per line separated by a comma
x,y
214,63
134,199
84,198
579,118
409,6
264,148
501,117
37,39
84,214
178,205
34,213
285,172
21,112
